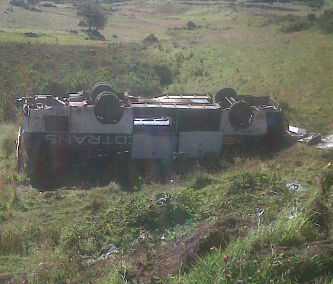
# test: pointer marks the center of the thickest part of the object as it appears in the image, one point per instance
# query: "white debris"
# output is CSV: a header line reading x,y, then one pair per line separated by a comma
x,y
326,142
297,130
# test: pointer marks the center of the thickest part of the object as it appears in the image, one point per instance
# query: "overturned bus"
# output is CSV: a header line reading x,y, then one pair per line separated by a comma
x,y
73,130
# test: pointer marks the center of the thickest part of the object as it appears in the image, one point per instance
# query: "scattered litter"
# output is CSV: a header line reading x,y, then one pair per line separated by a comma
x,y
105,253
311,139
261,212
326,142
112,250
292,216
42,264
109,249
161,199
297,130
296,186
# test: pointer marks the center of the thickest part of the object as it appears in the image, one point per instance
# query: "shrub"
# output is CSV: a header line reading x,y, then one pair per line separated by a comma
x,y
19,3
311,17
325,21
164,73
315,3
295,27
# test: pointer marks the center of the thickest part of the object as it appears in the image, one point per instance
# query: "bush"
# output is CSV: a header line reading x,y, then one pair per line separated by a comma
x,y
19,3
315,3
295,27
164,74
311,17
325,21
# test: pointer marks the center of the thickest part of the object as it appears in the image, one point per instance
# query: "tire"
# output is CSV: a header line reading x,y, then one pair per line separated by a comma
x,y
108,109
240,115
99,88
221,94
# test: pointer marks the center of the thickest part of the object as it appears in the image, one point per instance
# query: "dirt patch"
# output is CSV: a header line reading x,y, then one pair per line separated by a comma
x,y
169,259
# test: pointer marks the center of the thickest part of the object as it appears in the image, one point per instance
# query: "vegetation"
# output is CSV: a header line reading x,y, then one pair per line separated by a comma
x,y
93,15
224,220
26,4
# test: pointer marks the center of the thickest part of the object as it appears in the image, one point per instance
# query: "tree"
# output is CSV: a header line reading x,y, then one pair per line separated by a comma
x,y
94,16
32,2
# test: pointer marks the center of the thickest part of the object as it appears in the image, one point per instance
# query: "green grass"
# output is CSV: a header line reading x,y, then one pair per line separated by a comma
x,y
57,235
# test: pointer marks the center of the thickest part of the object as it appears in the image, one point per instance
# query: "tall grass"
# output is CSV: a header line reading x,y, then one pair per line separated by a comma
x,y
7,139
260,257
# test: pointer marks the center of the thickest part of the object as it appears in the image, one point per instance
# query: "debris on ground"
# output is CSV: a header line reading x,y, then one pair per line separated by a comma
x,y
260,212
105,253
109,249
295,186
326,142
310,139
297,131
162,199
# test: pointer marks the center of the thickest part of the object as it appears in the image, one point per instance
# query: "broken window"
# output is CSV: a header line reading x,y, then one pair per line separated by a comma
x,y
150,125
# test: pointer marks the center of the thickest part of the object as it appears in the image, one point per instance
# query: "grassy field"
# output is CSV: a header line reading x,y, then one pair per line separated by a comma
x,y
236,46
232,221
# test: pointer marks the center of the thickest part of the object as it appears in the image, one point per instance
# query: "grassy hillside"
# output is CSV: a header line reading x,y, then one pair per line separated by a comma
x,y
231,220
239,46
237,222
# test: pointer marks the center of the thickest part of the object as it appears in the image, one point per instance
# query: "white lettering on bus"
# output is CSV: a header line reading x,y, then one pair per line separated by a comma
x,y
89,139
